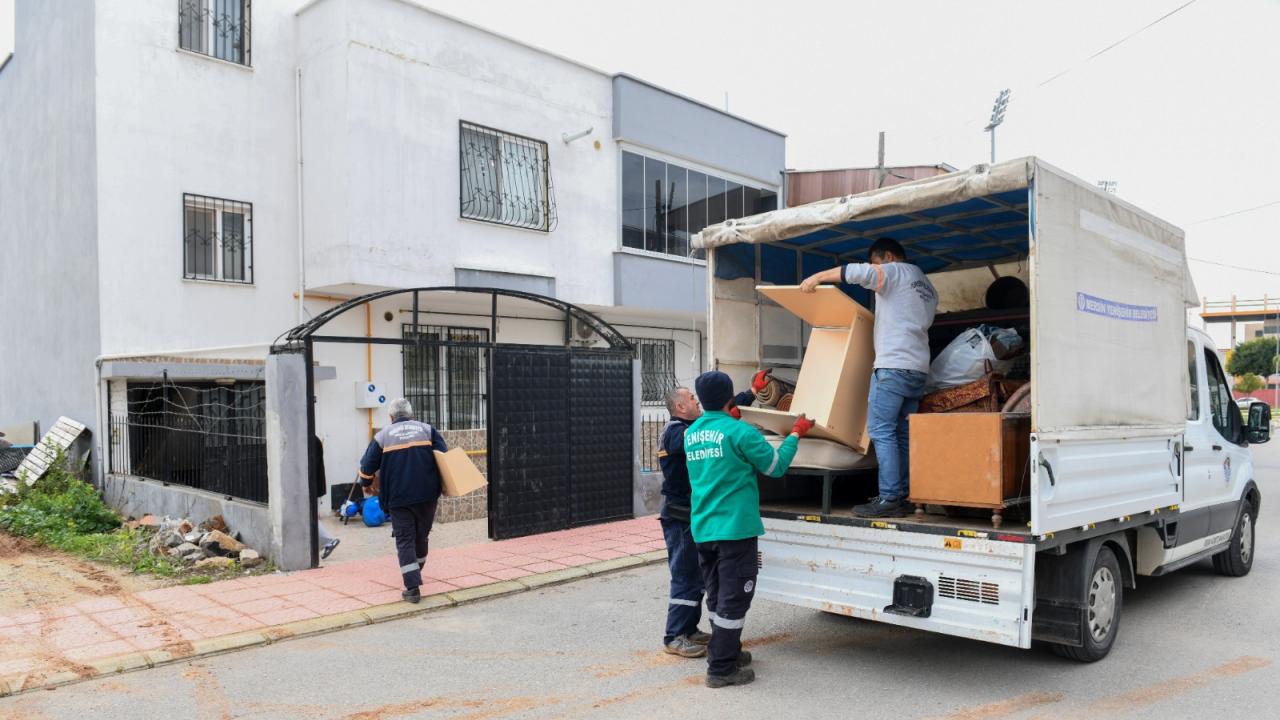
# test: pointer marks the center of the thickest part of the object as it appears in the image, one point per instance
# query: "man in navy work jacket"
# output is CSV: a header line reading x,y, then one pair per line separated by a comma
x,y
402,453
905,304
684,609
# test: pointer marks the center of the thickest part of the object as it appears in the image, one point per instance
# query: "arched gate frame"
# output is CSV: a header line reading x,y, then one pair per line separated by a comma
x,y
561,419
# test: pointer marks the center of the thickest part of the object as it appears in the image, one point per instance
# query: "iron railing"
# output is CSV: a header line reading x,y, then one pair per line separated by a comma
x,y
217,28
217,239
505,179
657,368
205,436
651,424
445,375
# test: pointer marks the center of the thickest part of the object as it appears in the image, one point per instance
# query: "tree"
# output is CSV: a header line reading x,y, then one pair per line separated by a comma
x,y
1248,382
1256,356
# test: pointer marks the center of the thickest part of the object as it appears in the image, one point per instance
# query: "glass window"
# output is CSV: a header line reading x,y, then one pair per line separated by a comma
x,y
505,179
218,28
733,198
1193,404
1219,394
715,200
697,201
750,200
655,178
657,368
444,375
677,199
632,201
217,239
768,201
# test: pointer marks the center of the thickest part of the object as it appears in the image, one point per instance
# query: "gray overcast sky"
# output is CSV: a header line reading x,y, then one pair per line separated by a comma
x,y
1185,115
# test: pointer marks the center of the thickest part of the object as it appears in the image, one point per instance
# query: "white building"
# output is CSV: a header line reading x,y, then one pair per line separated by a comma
x,y
162,164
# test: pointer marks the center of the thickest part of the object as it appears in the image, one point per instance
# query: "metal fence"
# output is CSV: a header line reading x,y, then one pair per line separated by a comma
x,y
657,368
652,421
207,436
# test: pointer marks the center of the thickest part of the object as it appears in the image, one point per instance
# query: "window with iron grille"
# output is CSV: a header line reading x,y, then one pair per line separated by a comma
x,y
217,28
217,239
505,179
444,375
657,368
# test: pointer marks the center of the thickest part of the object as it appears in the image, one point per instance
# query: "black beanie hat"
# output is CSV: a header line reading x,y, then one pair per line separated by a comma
x,y
714,389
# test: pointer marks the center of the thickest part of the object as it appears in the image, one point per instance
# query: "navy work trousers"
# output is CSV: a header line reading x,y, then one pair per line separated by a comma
x,y
729,569
410,526
684,608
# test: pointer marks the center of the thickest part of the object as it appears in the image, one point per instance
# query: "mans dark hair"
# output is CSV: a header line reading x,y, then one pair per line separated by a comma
x,y
886,246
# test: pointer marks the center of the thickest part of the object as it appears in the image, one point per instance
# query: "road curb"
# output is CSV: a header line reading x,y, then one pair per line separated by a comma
x,y
22,682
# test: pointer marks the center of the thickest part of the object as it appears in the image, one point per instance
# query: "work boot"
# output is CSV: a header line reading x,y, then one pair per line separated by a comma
x,y
412,595
744,658
683,647
881,508
741,676
700,638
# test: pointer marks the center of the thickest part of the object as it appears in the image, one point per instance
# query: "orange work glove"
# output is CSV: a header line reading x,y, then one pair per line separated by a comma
x,y
803,426
735,413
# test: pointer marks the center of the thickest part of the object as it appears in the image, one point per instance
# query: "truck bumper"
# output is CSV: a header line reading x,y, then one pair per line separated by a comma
x,y
970,587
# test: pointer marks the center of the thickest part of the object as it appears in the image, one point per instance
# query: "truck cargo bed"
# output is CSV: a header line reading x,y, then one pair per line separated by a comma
x,y
930,523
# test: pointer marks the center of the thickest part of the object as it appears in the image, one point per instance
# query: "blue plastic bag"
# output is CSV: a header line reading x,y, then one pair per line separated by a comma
x,y
372,512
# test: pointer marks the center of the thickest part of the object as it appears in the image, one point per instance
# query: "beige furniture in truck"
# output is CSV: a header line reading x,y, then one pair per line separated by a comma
x,y
835,373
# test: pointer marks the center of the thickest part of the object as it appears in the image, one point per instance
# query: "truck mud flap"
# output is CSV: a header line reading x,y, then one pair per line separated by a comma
x,y
972,587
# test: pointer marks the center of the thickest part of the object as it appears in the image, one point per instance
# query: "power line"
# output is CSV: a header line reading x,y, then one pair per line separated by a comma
x,y
1234,267
1236,212
1121,41
1059,74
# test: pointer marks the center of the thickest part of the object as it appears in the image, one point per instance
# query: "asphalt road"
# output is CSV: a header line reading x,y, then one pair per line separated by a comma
x,y
1192,645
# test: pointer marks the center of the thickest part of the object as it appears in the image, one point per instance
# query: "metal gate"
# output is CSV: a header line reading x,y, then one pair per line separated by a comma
x,y
560,440
560,418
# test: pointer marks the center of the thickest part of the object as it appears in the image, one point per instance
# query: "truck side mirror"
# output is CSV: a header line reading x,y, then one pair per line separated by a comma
x,y
1259,423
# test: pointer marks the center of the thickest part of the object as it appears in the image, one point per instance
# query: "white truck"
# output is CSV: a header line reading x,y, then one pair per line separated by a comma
x,y
1139,462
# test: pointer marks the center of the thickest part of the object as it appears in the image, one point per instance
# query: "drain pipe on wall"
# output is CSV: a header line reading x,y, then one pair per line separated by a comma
x,y
302,267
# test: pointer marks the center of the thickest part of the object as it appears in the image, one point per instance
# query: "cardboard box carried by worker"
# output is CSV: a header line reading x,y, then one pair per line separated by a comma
x,y
458,475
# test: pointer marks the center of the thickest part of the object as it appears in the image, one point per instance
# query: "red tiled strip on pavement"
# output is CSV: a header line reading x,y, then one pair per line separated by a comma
x,y
55,645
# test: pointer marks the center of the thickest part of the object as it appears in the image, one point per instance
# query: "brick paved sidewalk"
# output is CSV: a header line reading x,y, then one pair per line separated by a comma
x,y
55,645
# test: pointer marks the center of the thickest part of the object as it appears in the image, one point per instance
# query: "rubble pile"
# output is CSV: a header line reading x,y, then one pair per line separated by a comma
x,y
211,545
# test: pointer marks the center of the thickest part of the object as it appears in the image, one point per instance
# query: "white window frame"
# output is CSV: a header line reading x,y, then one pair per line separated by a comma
x,y
646,151
245,210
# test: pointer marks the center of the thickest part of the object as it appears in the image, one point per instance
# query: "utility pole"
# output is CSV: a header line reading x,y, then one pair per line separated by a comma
x,y
880,162
997,117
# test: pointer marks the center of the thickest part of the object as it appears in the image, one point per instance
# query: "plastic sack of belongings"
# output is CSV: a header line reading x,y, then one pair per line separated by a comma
x,y
974,353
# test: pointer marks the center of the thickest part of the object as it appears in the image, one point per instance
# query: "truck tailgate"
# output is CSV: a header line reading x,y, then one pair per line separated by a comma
x,y
981,589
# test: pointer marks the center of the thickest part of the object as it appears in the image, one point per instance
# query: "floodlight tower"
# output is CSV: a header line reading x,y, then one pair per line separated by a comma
x,y
997,117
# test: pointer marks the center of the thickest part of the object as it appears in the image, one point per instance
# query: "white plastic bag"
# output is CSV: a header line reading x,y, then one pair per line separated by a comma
x,y
965,358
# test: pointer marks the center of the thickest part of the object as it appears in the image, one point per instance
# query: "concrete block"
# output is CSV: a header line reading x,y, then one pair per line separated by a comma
x,y
396,610
655,556
327,623
646,493
226,643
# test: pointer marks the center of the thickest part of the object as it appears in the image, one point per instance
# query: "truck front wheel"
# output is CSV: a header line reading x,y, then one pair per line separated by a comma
x,y
1237,559
1104,597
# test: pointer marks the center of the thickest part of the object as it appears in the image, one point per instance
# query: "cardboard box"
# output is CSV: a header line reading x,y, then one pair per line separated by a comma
x,y
835,373
458,475
969,459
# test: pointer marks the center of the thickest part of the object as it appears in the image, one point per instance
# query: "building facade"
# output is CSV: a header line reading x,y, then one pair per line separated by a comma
x,y
184,182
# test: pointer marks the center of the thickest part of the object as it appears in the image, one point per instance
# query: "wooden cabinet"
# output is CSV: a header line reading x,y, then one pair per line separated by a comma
x,y
970,459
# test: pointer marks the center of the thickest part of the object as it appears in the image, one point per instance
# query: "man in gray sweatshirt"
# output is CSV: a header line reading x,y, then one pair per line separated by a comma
x,y
905,305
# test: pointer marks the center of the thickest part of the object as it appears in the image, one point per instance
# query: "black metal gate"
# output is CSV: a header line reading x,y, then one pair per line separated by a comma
x,y
560,442
560,418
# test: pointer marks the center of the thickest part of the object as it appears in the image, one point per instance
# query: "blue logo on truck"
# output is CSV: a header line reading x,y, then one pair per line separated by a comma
x,y
1115,310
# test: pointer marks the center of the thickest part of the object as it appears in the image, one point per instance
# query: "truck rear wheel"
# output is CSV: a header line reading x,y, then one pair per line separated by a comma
x,y
1237,559
1104,597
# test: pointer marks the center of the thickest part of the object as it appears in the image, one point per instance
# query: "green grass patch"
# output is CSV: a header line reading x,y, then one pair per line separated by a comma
x,y
65,513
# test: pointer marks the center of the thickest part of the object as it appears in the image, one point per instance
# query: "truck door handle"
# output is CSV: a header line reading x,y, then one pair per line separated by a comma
x,y
1217,447
1045,464
1187,448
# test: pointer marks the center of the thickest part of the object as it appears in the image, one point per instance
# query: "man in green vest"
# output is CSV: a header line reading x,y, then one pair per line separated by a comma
x,y
723,455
